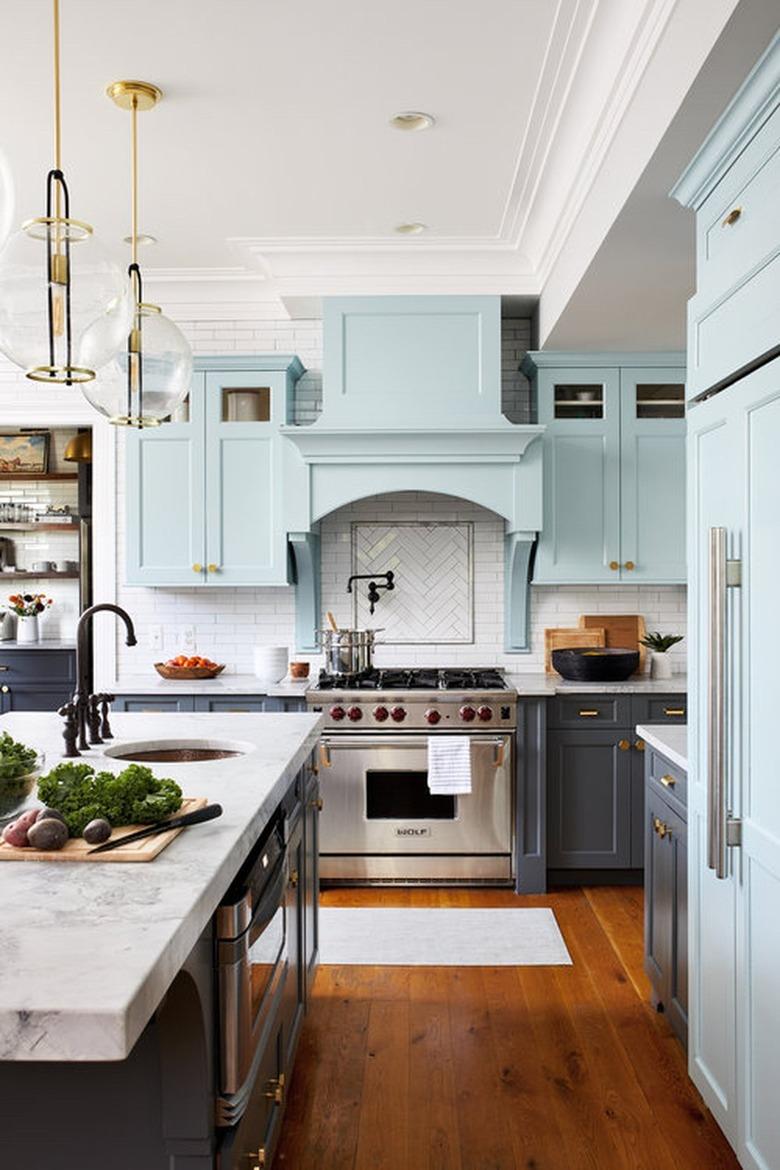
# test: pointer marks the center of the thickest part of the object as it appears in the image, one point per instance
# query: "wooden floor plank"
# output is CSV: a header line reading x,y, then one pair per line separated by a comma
x,y
513,1068
433,1117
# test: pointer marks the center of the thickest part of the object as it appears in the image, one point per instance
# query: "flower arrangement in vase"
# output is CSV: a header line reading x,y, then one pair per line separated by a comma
x,y
660,665
28,607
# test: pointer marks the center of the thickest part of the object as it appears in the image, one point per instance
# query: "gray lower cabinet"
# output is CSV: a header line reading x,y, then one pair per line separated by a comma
x,y
595,781
589,801
250,703
36,680
311,878
666,891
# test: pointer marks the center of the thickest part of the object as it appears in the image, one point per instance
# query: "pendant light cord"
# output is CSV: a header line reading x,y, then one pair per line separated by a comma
x,y
57,109
134,190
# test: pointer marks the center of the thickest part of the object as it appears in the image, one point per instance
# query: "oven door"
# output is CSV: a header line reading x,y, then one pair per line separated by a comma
x,y
376,798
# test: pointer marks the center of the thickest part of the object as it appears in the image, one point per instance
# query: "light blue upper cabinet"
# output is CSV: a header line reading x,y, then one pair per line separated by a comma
x,y
205,495
614,467
166,521
411,362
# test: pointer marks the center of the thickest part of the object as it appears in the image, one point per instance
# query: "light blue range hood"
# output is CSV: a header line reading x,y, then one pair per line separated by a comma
x,y
412,402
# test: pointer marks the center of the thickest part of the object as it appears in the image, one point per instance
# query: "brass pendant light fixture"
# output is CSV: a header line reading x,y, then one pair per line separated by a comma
x,y
148,379
64,305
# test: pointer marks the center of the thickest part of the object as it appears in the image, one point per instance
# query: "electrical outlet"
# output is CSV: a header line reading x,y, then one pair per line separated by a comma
x,y
188,638
155,637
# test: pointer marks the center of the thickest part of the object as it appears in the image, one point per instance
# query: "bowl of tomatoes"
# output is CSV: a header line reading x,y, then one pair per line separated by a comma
x,y
191,666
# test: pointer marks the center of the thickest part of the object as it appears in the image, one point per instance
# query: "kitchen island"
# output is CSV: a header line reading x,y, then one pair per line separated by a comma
x,y
90,1003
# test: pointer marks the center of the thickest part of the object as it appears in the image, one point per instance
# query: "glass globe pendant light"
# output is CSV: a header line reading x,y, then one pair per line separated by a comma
x,y
151,375
64,305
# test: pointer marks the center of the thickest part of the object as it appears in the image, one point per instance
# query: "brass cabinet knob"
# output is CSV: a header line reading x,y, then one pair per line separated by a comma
x,y
4,689
318,804
614,566
624,745
197,567
668,781
732,217
212,568
629,565
640,745
275,1090
294,878
661,828
258,1158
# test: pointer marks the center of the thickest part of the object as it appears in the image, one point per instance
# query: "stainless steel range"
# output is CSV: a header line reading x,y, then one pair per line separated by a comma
x,y
380,823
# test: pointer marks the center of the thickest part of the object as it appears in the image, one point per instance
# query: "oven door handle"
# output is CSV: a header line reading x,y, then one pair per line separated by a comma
x,y
343,743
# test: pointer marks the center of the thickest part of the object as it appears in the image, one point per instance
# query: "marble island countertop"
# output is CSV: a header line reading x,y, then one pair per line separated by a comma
x,y
88,950
669,739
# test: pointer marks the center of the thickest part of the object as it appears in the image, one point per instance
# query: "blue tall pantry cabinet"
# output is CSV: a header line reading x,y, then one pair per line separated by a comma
x,y
734,556
204,495
614,467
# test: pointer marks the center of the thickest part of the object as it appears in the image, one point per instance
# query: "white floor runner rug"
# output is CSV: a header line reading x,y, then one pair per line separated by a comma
x,y
409,937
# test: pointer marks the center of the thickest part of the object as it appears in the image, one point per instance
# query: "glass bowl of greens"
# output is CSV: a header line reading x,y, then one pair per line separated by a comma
x,y
20,767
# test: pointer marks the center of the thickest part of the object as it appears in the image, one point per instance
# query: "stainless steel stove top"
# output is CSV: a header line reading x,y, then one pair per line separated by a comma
x,y
412,699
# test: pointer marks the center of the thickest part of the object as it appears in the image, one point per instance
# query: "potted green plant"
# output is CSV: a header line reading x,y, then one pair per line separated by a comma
x,y
660,644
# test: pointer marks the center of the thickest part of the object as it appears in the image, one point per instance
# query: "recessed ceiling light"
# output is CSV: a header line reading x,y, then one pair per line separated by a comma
x,y
412,120
411,229
141,240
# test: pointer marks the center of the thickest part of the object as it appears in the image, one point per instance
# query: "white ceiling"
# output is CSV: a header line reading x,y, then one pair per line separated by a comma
x,y
270,164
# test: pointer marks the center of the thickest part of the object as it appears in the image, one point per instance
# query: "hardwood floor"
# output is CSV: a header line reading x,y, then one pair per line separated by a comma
x,y
498,1068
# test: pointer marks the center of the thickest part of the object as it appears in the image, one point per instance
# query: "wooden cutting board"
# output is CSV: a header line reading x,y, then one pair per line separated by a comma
x,y
622,629
560,638
77,849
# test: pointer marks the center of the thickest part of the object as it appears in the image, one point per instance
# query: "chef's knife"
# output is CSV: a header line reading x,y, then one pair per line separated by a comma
x,y
193,818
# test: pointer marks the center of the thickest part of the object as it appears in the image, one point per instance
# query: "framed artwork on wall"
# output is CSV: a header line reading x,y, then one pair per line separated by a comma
x,y
26,454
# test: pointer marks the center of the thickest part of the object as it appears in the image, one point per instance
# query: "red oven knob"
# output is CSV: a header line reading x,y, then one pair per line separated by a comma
x,y
485,713
337,713
433,716
354,714
467,714
397,714
380,714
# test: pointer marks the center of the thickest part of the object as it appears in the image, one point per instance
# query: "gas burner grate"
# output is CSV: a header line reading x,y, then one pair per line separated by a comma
x,y
367,680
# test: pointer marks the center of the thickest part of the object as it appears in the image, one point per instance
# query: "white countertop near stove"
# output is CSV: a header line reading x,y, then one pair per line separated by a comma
x,y
670,739
223,684
89,949
553,684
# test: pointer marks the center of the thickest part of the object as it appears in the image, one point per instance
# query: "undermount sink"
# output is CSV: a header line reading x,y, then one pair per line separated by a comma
x,y
178,751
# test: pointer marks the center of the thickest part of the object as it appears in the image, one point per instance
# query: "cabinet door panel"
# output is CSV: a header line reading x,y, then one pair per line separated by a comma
x,y
246,543
589,801
652,477
294,988
165,518
659,898
580,534
311,834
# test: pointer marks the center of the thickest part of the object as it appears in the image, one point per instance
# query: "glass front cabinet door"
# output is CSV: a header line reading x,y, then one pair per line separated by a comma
x,y
614,467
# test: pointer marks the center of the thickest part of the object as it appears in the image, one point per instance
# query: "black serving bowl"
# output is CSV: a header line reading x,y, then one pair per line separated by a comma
x,y
586,664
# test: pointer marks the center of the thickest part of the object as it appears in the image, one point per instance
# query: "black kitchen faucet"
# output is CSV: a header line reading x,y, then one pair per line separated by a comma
x,y
373,587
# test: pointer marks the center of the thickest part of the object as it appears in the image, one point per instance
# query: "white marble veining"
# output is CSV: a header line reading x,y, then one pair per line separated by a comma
x,y
223,684
671,739
552,684
88,951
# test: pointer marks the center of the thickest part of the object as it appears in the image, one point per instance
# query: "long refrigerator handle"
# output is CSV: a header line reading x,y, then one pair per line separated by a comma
x,y
717,857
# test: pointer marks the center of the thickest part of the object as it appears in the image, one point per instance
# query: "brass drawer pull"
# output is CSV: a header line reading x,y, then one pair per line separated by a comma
x,y
588,714
294,878
197,567
317,804
614,566
629,565
674,711
212,568
275,1090
325,759
624,745
661,828
4,689
640,745
732,217
668,781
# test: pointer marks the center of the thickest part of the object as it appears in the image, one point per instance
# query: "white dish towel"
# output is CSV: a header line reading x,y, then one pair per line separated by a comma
x,y
449,764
